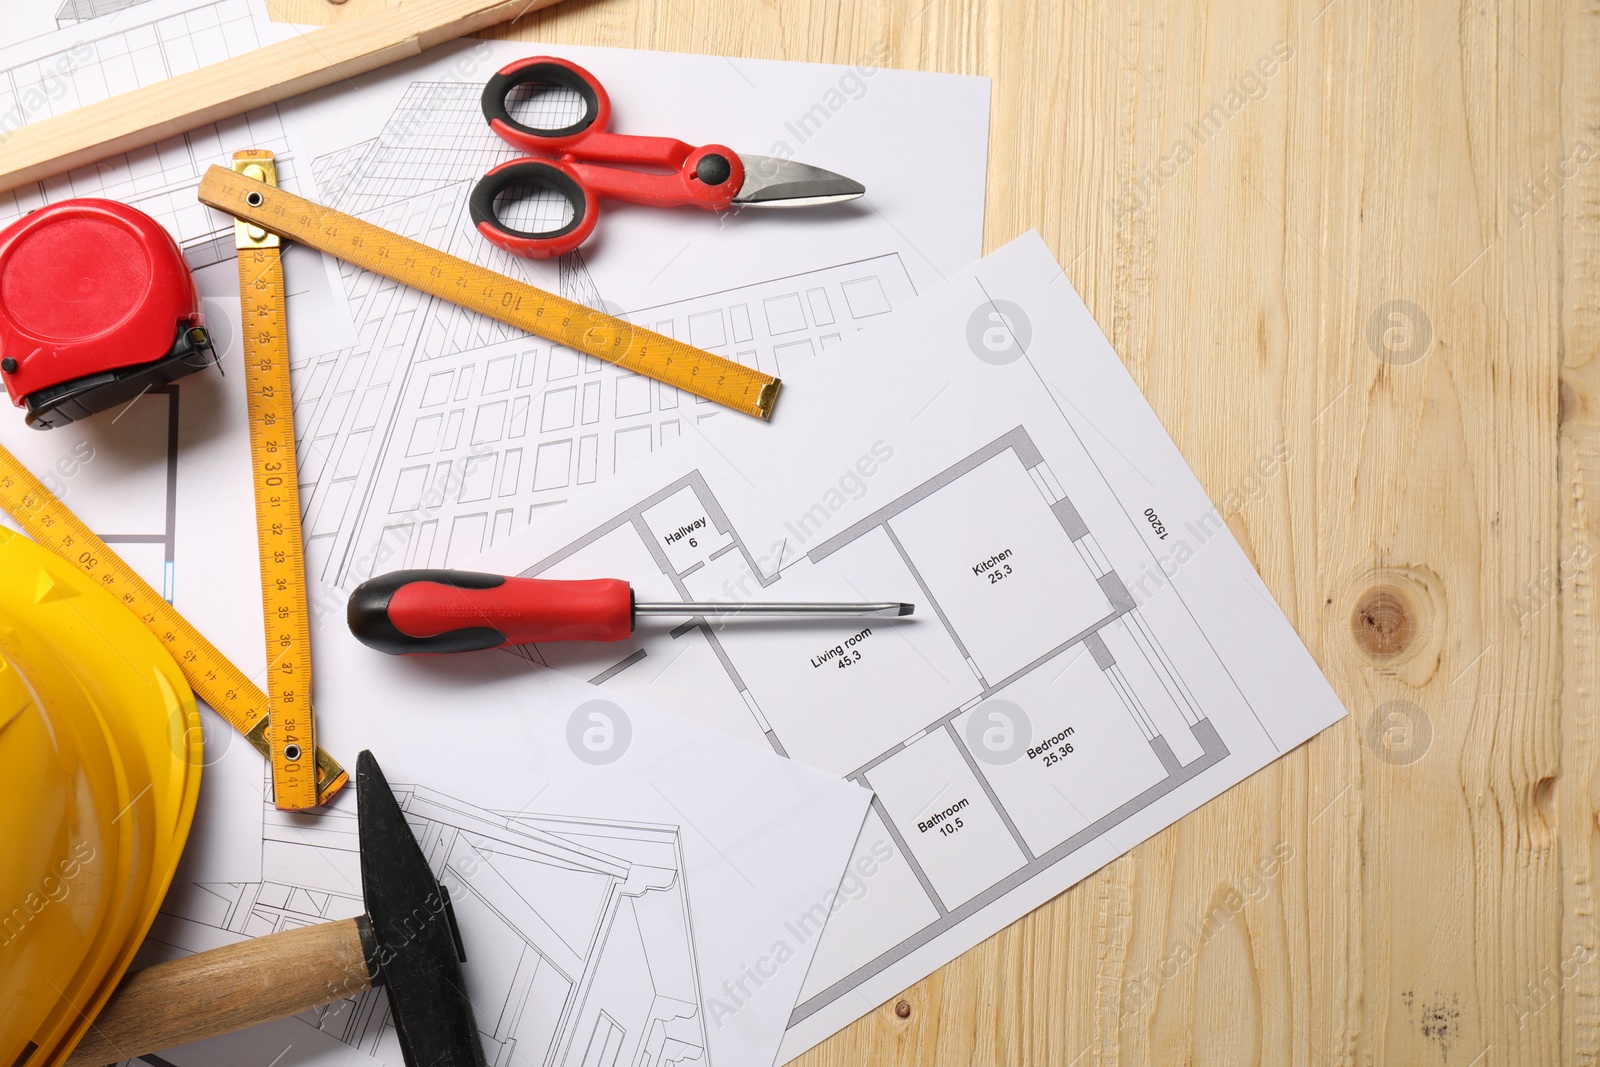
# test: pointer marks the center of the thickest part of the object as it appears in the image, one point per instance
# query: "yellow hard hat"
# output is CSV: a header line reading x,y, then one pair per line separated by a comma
x,y
99,771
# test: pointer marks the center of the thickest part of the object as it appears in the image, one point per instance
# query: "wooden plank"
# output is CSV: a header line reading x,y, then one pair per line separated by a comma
x,y
320,57
1572,989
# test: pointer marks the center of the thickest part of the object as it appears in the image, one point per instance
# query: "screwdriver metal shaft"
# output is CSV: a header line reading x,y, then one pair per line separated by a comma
x,y
778,610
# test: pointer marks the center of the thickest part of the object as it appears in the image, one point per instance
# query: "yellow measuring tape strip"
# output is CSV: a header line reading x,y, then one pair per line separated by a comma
x,y
466,284
264,323
211,674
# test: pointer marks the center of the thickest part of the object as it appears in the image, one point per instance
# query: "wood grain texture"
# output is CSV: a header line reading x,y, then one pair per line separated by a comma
x,y
224,990
1431,533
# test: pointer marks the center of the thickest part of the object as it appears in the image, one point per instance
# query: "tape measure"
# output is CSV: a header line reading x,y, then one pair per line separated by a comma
x,y
211,674
264,323
98,307
470,286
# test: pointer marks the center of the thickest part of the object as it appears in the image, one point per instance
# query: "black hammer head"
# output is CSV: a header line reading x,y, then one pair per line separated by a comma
x,y
417,950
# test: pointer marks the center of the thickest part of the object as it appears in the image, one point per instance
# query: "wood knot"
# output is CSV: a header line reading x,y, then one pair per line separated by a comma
x,y
1398,619
1569,403
1547,809
1384,622
903,1009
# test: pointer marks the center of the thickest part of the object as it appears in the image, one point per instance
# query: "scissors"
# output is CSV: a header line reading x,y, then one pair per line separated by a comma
x,y
712,177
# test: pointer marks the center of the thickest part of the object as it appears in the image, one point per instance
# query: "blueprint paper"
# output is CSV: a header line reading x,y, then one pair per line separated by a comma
x,y
172,495
631,888
299,1046
442,432
1091,657
166,478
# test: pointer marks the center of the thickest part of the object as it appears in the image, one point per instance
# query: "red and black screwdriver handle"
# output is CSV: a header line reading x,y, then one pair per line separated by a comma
x,y
434,611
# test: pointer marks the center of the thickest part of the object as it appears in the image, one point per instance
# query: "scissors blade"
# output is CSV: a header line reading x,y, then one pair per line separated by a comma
x,y
773,182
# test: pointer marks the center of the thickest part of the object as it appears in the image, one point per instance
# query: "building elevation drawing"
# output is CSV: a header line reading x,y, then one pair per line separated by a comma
x,y
442,431
73,12
593,967
967,784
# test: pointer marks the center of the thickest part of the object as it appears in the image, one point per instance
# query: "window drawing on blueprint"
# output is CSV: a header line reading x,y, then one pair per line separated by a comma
x,y
442,431
977,796
592,962
72,12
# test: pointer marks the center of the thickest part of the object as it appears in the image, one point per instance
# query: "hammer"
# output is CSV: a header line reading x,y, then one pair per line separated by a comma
x,y
407,941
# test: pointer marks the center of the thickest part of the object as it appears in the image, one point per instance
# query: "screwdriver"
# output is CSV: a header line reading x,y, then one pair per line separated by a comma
x,y
432,611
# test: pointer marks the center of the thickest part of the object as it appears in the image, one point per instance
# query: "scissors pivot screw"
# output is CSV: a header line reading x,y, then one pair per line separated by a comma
x,y
713,169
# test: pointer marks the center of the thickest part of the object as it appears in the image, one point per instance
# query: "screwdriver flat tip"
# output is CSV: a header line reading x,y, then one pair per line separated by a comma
x,y
891,610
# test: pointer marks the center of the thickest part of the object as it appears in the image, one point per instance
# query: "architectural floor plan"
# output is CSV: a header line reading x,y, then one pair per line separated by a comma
x,y
1091,655
976,795
601,966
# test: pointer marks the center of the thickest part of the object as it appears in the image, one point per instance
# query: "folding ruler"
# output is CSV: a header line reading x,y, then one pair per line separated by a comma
x,y
482,290
264,322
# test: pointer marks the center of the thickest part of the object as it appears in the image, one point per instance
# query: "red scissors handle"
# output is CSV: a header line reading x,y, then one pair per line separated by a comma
x,y
706,177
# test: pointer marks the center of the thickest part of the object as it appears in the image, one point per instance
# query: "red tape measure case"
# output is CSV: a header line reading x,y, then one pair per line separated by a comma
x,y
96,306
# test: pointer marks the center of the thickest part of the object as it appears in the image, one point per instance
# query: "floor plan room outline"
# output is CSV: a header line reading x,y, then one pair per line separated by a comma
x,y
1107,723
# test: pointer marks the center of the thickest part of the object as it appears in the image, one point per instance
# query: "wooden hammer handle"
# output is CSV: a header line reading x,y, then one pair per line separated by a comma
x,y
227,989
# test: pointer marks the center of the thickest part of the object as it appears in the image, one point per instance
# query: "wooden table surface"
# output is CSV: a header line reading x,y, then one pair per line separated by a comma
x,y
1364,236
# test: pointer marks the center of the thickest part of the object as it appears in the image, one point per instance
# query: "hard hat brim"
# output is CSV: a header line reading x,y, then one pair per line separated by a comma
x,y
126,739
